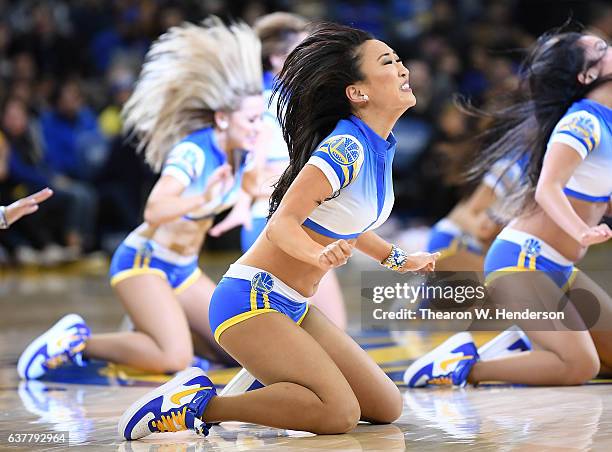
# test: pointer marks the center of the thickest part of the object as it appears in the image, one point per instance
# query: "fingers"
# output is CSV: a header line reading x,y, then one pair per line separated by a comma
x,y
336,254
223,172
596,234
222,227
41,196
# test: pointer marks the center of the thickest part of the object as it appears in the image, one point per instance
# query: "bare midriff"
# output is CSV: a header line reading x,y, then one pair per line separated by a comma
x,y
300,276
184,237
538,223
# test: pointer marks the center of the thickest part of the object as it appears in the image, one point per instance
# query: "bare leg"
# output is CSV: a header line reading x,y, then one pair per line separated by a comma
x,y
195,302
330,301
304,390
598,305
161,342
379,398
566,357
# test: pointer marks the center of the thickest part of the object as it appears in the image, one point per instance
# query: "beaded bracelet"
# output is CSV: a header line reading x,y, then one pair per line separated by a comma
x,y
396,259
3,220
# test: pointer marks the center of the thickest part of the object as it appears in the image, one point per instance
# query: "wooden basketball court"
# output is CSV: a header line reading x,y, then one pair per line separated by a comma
x,y
86,403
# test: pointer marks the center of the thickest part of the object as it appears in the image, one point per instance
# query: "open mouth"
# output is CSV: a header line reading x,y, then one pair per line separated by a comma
x,y
405,87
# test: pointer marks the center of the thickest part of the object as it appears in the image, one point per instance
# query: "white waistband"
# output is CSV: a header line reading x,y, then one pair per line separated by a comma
x,y
547,251
450,227
247,272
136,241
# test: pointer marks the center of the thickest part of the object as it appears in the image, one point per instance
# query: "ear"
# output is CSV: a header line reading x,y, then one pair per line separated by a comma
x,y
356,94
221,120
586,77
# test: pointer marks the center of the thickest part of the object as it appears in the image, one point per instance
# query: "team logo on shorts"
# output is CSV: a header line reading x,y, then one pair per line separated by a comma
x,y
343,149
532,247
262,282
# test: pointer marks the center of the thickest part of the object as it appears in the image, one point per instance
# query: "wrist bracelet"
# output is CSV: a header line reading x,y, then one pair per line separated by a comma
x,y
396,259
3,220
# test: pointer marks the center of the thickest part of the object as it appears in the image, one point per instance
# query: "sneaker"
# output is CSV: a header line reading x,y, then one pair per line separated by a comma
x,y
62,343
509,342
242,382
448,364
174,406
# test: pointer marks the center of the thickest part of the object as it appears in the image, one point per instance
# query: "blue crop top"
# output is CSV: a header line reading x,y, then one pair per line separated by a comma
x,y
193,160
586,127
357,162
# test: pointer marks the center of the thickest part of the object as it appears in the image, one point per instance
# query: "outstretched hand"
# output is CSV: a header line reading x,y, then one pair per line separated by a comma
x,y
596,234
420,261
26,206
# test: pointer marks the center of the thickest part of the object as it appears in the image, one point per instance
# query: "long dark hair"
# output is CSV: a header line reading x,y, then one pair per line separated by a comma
x,y
311,93
548,87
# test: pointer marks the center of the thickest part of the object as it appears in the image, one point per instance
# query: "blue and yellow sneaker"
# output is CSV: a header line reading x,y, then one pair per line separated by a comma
x,y
509,342
62,343
174,406
448,364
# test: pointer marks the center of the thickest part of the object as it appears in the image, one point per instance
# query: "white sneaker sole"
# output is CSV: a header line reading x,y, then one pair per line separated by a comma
x,y
239,384
444,348
37,343
177,381
502,341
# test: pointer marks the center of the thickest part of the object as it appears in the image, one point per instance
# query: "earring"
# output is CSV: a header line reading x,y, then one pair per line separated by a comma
x,y
223,125
365,97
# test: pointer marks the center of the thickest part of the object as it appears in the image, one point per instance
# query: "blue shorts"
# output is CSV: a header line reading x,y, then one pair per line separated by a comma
x,y
245,292
247,238
447,238
515,250
139,256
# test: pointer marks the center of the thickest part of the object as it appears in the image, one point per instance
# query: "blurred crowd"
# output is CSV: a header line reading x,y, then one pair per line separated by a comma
x,y
67,67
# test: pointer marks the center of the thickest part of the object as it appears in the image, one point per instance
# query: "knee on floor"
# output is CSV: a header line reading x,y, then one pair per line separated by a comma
x,y
338,417
582,370
175,361
389,408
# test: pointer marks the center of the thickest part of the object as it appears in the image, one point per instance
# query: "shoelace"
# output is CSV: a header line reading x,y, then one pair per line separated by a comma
x,y
69,355
177,421
171,423
440,381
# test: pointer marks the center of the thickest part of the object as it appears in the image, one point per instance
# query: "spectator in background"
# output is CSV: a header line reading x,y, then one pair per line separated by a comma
x,y
75,150
57,225
75,146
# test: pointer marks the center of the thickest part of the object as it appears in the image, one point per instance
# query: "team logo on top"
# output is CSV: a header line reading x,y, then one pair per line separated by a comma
x,y
343,149
583,125
532,247
262,282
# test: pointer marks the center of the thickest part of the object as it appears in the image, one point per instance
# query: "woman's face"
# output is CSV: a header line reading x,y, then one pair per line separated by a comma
x,y
386,78
245,123
597,50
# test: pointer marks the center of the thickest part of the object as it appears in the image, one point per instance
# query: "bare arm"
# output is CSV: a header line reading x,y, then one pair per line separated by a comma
x,y
473,217
559,164
371,244
166,204
284,229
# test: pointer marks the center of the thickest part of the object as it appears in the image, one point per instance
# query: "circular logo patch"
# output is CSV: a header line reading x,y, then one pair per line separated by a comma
x,y
263,282
532,247
344,150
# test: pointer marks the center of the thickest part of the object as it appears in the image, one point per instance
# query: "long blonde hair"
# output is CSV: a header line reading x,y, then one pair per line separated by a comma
x,y
189,73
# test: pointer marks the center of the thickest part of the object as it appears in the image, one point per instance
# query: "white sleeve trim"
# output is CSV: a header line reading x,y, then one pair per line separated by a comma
x,y
329,172
572,142
178,174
